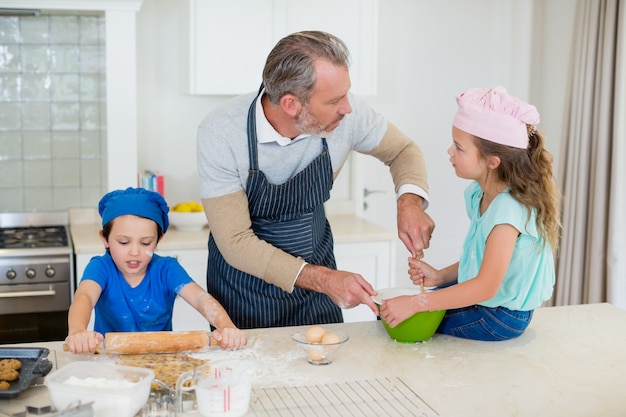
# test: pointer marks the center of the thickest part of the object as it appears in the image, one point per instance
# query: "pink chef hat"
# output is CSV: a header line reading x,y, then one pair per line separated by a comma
x,y
495,115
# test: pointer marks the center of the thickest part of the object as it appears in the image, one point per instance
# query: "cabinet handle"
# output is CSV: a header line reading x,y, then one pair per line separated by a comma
x,y
18,294
367,192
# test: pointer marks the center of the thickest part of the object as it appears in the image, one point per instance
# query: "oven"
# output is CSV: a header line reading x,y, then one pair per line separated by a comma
x,y
36,269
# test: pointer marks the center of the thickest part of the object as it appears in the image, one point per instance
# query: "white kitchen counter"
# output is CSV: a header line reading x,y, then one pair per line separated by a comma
x,y
570,362
85,225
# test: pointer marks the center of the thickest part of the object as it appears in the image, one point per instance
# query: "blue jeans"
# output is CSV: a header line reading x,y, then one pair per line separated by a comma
x,y
485,323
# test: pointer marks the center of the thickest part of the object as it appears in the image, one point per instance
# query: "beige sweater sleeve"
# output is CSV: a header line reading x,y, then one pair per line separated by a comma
x,y
404,158
231,227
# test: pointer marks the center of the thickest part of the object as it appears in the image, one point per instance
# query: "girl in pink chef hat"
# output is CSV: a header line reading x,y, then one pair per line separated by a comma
x,y
130,287
506,268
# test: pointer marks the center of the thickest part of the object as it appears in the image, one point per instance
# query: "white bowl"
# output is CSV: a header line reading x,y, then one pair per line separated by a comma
x,y
187,221
115,390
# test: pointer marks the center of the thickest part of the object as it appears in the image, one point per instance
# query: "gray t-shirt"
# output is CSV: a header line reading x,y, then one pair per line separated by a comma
x,y
222,146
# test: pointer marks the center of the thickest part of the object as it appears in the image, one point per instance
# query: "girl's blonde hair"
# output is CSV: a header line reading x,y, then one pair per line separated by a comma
x,y
528,173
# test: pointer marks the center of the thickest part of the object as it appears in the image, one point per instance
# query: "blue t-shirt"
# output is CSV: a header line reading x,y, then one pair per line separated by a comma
x,y
530,276
147,307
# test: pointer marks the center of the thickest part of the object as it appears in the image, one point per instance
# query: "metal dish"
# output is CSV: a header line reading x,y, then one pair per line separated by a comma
x,y
35,364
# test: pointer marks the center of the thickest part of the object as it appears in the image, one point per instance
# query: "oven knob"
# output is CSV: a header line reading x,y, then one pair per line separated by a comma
x,y
30,273
50,271
11,274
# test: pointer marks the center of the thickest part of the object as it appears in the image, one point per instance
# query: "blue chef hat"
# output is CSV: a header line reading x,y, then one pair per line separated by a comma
x,y
137,201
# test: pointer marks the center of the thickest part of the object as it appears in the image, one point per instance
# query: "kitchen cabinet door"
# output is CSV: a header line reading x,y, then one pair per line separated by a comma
x,y
225,49
374,261
82,259
185,316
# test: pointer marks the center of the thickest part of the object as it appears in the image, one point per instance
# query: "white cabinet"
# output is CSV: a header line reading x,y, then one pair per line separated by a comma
x,y
228,41
82,259
374,261
185,317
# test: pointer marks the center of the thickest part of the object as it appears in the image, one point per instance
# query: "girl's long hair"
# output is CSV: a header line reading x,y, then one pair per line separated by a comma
x,y
528,173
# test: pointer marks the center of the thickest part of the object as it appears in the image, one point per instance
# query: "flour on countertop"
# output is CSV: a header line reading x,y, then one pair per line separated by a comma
x,y
272,369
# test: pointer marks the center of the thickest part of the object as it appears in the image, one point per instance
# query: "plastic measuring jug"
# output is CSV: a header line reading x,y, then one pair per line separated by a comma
x,y
222,388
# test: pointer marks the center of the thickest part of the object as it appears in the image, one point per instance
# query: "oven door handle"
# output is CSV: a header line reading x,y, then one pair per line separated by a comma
x,y
19,294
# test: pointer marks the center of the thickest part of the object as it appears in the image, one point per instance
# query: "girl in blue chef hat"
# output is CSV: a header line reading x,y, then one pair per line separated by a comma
x,y
130,287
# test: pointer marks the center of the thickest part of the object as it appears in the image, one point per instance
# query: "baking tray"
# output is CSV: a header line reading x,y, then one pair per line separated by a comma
x,y
35,364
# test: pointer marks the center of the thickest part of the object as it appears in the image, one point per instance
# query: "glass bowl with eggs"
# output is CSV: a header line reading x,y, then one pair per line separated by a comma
x,y
320,344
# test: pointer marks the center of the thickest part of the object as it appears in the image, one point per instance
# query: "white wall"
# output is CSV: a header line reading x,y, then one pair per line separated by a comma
x,y
429,51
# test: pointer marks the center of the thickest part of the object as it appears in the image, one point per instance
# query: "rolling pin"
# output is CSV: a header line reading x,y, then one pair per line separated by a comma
x,y
136,343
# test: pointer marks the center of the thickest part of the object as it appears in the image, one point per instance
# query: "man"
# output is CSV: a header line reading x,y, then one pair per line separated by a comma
x,y
267,162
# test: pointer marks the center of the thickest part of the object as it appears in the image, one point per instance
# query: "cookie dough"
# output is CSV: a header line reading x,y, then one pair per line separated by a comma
x,y
167,367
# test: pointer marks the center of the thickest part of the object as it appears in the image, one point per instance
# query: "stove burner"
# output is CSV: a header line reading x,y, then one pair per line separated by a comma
x,y
33,237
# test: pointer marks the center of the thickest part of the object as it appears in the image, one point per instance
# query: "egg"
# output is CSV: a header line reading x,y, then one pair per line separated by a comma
x,y
330,338
315,334
316,353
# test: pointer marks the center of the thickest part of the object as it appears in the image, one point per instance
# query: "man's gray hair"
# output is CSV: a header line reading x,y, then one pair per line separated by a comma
x,y
289,68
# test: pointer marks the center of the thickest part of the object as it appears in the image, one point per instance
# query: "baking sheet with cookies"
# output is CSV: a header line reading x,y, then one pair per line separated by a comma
x,y
33,364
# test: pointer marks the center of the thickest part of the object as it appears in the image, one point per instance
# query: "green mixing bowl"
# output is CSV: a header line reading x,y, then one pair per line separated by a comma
x,y
417,328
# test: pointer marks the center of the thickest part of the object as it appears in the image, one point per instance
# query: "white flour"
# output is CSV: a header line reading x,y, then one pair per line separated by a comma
x,y
93,382
272,369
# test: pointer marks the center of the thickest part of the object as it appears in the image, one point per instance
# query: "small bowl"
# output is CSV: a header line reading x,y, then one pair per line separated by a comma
x,y
187,221
115,390
417,328
320,353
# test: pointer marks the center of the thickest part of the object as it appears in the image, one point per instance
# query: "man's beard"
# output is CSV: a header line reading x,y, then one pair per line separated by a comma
x,y
308,124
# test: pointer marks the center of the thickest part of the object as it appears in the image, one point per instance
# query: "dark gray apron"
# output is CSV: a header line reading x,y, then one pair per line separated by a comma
x,y
291,217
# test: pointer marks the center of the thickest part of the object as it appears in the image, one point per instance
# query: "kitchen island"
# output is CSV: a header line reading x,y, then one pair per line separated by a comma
x,y
570,362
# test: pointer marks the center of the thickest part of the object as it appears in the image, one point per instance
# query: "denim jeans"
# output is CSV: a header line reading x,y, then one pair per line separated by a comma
x,y
485,323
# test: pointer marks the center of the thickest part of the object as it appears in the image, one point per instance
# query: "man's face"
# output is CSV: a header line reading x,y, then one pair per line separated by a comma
x,y
329,101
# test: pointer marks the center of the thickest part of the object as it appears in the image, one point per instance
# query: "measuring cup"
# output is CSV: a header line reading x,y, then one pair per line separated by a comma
x,y
222,388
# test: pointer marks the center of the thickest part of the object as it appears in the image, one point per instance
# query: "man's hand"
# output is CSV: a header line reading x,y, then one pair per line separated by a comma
x,y
415,227
346,289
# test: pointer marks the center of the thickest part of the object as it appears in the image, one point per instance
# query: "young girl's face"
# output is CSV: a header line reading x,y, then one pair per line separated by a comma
x,y
464,156
132,242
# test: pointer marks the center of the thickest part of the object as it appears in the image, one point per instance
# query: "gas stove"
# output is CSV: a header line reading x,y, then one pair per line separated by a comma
x,y
33,237
36,269
34,234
